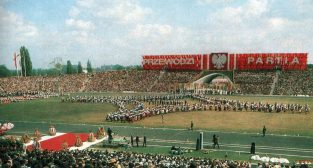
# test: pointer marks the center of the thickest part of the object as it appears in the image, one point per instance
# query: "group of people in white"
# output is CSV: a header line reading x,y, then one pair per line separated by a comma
x,y
12,97
135,108
6,126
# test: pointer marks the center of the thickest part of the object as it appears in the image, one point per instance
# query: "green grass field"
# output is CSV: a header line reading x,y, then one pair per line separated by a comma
x,y
53,110
292,134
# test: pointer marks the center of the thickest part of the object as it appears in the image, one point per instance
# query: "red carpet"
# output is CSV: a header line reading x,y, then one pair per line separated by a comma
x,y
55,144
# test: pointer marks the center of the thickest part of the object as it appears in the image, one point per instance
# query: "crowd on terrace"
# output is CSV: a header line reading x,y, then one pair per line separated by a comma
x,y
295,83
170,81
288,83
254,82
138,81
12,155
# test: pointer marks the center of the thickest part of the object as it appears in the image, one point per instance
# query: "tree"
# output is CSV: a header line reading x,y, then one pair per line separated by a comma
x,y
89,68
57,63
69,67
4,72
79,68
25,62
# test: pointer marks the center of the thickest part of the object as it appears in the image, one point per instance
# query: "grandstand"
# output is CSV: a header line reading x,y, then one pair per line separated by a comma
x,y
248,82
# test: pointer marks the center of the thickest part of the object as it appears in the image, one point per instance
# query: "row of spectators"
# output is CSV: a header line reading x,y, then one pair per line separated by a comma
x,y
295,83
289,83
139,81
169,80
66,83
254,82
122,81
11,156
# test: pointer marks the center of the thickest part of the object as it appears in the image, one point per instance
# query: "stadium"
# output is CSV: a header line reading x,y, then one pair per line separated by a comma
x,y
211,109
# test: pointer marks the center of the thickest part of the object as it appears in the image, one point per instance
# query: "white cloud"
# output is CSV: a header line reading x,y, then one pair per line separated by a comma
x,y
124,11
304,6
80,24
205,2
74,11
14,26
251,27
80,30
161,39
248,12
120,11
277,23
86,3
119,31
151,30
255,7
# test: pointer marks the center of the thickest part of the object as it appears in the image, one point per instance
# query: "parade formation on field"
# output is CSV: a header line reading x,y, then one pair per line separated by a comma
x,y
160,105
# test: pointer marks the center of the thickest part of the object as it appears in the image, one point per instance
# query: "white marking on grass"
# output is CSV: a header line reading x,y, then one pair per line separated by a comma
x,y
222,150
161,128
239,146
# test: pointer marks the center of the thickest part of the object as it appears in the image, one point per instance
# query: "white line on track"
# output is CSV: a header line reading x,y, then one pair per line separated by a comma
x,y
274,154
239,146
174,129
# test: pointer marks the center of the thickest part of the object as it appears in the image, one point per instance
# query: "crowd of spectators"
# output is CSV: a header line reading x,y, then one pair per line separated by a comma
x,y
254,82
122,81
169,81
295,83
52,84
14,154
115,159
288,83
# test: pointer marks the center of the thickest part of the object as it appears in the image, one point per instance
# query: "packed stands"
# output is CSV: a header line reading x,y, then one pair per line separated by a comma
x,y
168,80
254,82
139,81
122,81
67,83
11,156
295,83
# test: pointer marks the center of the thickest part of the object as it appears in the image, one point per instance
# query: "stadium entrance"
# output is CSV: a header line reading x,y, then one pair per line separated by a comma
x,y
216,82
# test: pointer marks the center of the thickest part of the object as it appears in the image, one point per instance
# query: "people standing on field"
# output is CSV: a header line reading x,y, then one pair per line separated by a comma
x,y
264,131
137,141
52,131
216,141
144,141
191,125
132,140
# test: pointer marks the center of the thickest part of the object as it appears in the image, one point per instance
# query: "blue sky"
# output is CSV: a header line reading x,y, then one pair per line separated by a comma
x,y
121,31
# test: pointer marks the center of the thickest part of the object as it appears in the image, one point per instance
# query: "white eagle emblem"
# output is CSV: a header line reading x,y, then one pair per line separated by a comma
x,y
219,60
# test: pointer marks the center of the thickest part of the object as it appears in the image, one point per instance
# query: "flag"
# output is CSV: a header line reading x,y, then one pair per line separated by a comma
x,y
14,59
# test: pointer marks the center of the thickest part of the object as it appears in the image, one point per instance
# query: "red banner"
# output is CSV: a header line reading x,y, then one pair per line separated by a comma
x,y
173,62
225,61
269,61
